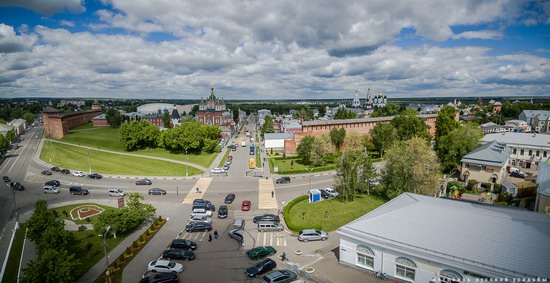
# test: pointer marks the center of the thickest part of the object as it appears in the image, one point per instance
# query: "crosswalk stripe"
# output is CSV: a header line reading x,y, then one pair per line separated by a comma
x,y
266,201
202,184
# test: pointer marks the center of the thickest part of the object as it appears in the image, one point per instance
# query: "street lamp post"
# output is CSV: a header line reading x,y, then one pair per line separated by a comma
x,y
89,164
105,250
186,164
309,170
49,152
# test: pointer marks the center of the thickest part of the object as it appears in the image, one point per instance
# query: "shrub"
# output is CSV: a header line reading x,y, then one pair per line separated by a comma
x,y
88,247
287,209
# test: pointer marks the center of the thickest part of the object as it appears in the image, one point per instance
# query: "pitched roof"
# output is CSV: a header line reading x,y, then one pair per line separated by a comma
x,y
513,139
175,114
492,154
505,239
279,136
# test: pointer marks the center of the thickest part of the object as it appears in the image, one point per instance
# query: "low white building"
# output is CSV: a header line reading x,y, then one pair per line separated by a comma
x,y
417,238
486,164
19,126
527,148
276,141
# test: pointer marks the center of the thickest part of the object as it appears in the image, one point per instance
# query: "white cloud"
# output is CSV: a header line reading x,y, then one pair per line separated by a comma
x,y
11,42
49,7
480,34
66,23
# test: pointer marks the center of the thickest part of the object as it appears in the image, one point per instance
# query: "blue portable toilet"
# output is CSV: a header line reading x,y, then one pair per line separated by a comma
x,y
314,195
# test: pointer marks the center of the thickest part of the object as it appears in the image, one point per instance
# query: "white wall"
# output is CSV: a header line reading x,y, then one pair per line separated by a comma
x,y
279,143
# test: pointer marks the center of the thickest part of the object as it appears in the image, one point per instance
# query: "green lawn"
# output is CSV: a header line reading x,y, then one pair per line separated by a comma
x,y
90,254
304,215
258,158
15,255
108,138
293,165
222,162
59,211
76,158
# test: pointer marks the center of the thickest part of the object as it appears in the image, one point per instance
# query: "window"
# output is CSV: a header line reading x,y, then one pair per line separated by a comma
x,y
544,154
530,152
515,151
450,276
365,256
538,153
405,268
521,151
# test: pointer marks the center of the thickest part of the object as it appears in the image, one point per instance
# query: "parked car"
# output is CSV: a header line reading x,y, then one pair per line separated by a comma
x,y
266,217
217,170
238,223
261,252
6,179
222,212
95,176
228,162
197,218
260,267
76,190
517,174
226,167
114,192
245,206
65,171
178,254
330,192
17,186
279,276
183,244
55,183
164,266
229,198
144,181
50,190
46,172
282,180
198,227
78,174
267,226
161,278
201,212
312,235
55,169
205,205
156,191
237,234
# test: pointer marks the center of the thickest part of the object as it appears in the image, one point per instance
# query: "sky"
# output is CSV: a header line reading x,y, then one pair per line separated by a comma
x,y
283,49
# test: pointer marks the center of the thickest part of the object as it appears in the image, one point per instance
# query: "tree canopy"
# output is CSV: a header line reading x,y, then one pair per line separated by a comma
x,y
304,149
445,122
353,169
342,113
114,118
457,143
267,126
383,135
138,134
391,109
337,137
409,125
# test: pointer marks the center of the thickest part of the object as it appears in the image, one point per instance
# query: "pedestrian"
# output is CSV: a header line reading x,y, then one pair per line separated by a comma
x,y
283,257
272,193
209,237
216,234
197,190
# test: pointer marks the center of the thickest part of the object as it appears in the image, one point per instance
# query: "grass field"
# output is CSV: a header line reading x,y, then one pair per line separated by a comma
x,y
15,255
59,211
293,165
90,246
304,215
222,162
82,159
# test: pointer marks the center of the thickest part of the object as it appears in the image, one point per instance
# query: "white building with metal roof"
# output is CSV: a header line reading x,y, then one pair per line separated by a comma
x,y
486,164
527,148
542,202
277,140
418,238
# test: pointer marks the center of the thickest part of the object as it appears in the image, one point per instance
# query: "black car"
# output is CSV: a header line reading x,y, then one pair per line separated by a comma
x,y
282,180
54,183
237,234
517,174
260,267
55,169
17,186
6,179
144,181
65,171
95,176
161,278
204,205
325,194
229,198
178,254
156,191
198,227
183,244
267,217
222,212
46,172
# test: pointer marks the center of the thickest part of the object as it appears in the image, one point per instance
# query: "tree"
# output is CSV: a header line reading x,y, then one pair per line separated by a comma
x,y
342,113
353,169
29,117
138,134
409,125
267,127
41,219
3,143
10,136
305,114
114,118
337,137
134,203
166,119
304,149
52,266
457,143
411,166
390,109
322,111
383,136
355,141
319,149
445,122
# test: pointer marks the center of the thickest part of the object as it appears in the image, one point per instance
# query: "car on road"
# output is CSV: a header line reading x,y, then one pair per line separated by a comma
x,y
312,235
266,217
161,278
217,170
55,183
279,276
144,181
197,218
65,171
228,162
245,206
50,190
517,174
226,167
201,212
229,198
165,266
76,190
260,267
78,174
183,244
261,252
6,179
178,254
95,176
114,192
222,212
17,186
282,180
205,205
237,234
55,169
198,227
156,191
46,172
329,193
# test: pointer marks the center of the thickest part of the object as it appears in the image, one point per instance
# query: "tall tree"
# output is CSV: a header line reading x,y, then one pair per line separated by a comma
x,y
383,136
304,149
353,168
457,143
319,150
337,137
411,166
114,118
409,125
391,109
445,122
342,113
138,134
52,266
29,117
267,127
305,114
10,136
166,119
41,219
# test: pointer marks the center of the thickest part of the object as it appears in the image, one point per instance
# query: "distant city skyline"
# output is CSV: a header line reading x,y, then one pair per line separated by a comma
x,y
257,50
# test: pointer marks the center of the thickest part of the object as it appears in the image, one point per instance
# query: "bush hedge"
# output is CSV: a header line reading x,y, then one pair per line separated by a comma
x,y
287,209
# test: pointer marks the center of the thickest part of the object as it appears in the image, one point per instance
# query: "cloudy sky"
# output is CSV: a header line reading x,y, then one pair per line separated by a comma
x,y
282,49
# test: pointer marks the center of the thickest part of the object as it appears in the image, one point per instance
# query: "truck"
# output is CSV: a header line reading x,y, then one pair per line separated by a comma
x,y
252,152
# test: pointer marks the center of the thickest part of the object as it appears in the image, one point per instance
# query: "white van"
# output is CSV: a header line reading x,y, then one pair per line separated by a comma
x,y
243,143
238,223
51,190
264,226
201,212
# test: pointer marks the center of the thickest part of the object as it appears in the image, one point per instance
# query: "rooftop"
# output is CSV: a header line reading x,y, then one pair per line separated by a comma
x,y
513,139
359,120
278,136
492,154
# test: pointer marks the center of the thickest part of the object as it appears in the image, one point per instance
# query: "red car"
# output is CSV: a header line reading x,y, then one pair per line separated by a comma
x,y
246,205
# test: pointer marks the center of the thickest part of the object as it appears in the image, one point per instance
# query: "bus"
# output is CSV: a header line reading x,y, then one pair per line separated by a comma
x,y
252,163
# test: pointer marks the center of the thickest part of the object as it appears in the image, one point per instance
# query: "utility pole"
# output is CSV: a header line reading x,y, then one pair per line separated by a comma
x,y
186,164
309,170
108,273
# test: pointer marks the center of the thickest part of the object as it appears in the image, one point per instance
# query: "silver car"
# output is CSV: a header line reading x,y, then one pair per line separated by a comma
x,y
198,218
312,235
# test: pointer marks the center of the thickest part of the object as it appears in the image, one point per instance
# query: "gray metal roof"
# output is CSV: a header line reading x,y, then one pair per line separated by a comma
x,y
279,136
543,179
493,154
513,139
503,239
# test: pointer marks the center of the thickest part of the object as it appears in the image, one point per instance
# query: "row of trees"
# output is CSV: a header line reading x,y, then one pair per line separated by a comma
x,y
23,110
127,219
188,136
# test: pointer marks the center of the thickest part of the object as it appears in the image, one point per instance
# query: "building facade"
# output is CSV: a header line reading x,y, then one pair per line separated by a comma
x,y
539,120
213,111
486,164
528,149
19,126
57,124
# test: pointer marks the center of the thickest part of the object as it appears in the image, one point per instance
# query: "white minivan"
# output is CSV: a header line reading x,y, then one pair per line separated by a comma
x,y
51,190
